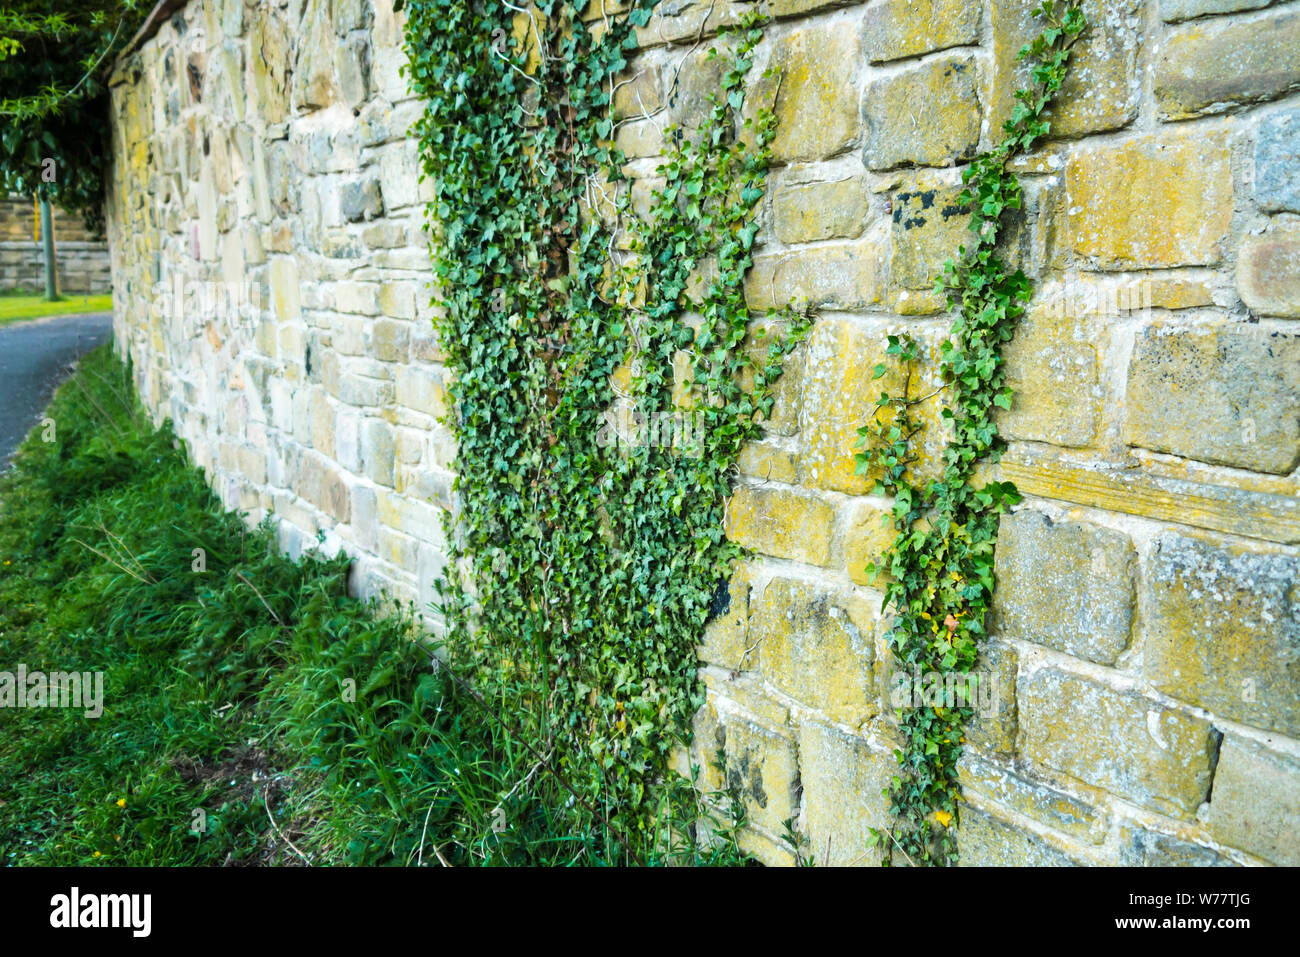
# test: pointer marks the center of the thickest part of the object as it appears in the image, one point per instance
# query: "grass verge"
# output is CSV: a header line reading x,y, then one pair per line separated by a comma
x,y
18,308
252,712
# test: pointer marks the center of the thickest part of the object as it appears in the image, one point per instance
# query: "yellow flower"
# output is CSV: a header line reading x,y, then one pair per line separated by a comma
x,y
97,854
943,817
121,802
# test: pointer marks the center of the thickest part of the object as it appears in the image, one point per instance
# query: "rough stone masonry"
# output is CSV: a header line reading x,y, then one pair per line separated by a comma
x,y
1147,625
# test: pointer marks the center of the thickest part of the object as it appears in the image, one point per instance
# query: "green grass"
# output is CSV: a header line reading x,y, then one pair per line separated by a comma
x,y
302,723
15,308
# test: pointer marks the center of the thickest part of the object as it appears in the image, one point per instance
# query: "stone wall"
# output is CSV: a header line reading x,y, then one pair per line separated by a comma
x,y
81,257
1147,626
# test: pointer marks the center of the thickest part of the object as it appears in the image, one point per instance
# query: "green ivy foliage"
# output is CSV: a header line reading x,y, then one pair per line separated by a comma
x,y
54,58
941,563
587,549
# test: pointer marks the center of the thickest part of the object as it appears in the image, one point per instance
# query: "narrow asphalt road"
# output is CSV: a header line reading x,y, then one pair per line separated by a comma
x,y
34,358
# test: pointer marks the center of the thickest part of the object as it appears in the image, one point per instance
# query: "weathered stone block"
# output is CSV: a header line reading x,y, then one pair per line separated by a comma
x,y
361,200
1067,586
870,531
1101,90
814,80
782,523
398,549
390,340
421,389
322,423
642,93
397,299
1157,200
365,516
843,276
1048,805
399,172
817,646
1223,394
898,29
986,841
808,212
1172,11
312,78
360,390
768,462
352,69
324,487
1222,629
285,297
764,766
1268,272
843,781
1277,163
926,115
1256,801
1139,847
839,393
1217,65
378,450
1053,368
360,298
269,60
726,635
347,435
993,726
1129,745
929,224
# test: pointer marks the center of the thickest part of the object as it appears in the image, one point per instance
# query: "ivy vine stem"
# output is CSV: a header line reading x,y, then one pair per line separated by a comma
x,y
940,565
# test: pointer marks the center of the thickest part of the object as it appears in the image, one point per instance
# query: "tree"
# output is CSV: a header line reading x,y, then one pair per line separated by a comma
x,y
54,60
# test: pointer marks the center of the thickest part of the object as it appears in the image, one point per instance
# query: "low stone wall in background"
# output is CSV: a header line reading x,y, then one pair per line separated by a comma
x,y
1146,635
82,258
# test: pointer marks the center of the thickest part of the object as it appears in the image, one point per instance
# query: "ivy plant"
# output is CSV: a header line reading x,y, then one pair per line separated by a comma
x,y
586,545
940,565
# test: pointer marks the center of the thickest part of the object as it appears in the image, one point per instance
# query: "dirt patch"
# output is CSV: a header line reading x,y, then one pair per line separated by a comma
x,y
250,775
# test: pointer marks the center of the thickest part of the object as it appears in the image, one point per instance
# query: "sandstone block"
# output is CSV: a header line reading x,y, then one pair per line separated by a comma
x,y
782,523
986,841
843,783
421,389
378,450
817,646
1277,163
1229,395
839,393
816,96
899,29
1222,629
808,212
1131,746
1159,200
927,115
1268,272
1067,586
845,276
1217,65
1173,11
1256,801
1102,88
1054,370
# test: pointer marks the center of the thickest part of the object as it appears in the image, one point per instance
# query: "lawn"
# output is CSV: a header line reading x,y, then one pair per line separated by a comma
x,y
17,308
250,711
